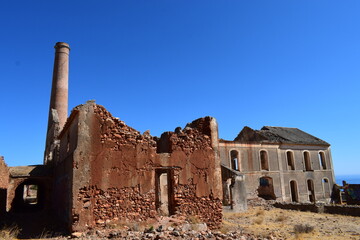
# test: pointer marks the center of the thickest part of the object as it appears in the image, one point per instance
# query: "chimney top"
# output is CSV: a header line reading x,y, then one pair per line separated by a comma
x,y
61,45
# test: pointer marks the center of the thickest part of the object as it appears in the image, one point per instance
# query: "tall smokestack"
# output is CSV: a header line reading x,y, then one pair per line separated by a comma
x,y
59,91
58,110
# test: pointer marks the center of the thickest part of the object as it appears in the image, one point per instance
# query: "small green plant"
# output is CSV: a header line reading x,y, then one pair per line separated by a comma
x,y
303,228
149,230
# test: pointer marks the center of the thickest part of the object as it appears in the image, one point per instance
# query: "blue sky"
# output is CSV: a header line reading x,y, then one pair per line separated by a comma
x,y
160,64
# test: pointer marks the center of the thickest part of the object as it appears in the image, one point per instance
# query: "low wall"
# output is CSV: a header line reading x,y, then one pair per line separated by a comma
x,y
350,210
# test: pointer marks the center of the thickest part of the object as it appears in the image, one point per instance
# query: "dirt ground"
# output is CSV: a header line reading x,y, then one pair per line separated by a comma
x,y
256,223
280,223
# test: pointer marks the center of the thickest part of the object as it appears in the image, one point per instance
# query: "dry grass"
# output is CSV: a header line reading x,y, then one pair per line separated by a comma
x,y
9,232
193,219
281,218
259,220
295,225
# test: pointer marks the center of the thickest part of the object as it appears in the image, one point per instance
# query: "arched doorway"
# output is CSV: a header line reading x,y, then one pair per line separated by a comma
x,y
266,188
294,191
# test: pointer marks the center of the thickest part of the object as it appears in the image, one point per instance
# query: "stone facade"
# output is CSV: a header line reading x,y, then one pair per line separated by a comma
x,y
283,164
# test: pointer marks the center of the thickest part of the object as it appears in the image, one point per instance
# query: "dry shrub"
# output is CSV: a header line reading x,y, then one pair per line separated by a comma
x,y
260,212
281,218
9,233
303,228
193,219
231,215
229,226
259,220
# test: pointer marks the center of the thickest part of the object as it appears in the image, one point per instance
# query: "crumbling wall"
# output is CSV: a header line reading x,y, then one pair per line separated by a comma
x,y
116,171
4,174
113,171
4,182
198,188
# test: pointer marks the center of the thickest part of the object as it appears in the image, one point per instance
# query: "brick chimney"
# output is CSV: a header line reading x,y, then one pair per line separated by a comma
x,y
59,91
58,110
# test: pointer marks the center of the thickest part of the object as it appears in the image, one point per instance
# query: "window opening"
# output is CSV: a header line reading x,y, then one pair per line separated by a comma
x,y
326,187
266,188
322,160
307,161
290,160
30,194
264,160
234,155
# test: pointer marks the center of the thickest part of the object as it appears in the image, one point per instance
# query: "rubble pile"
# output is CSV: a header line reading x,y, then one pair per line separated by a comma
x,y
179,232
260,202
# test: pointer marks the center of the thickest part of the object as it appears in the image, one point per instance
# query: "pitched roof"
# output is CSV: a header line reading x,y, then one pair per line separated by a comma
x,y
278,135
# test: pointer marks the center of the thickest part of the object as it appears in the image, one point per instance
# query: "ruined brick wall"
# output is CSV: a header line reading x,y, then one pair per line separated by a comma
x,y
63,172
4,182
115,171
4,174
198,184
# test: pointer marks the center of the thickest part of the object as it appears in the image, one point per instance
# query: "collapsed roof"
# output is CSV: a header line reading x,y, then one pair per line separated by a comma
x,y
269,134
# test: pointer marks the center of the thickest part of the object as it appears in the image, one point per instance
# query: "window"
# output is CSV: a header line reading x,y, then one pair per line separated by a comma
x,y
234,160
290,160
307,162
30,194
322,160
326,187
264,160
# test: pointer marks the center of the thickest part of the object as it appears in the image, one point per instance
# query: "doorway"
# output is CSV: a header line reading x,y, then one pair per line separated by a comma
x,y
294,191
311,192
164,191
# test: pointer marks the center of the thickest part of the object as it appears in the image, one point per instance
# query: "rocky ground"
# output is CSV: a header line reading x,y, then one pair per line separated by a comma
x,y
261,221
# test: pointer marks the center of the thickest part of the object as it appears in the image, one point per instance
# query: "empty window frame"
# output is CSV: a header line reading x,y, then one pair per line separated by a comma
x,y
234,160
326,187
290,160
307,161
264,161
322,160
30,194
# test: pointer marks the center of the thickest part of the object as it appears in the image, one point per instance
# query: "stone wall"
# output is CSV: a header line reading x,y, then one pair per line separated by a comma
x,y
4,174
116,170
4,182
350,210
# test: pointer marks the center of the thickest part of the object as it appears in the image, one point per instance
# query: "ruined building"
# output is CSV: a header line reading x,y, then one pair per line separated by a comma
x,y
279,163
97,170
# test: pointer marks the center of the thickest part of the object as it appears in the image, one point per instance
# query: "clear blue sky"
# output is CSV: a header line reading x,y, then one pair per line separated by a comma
x,y
160,64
